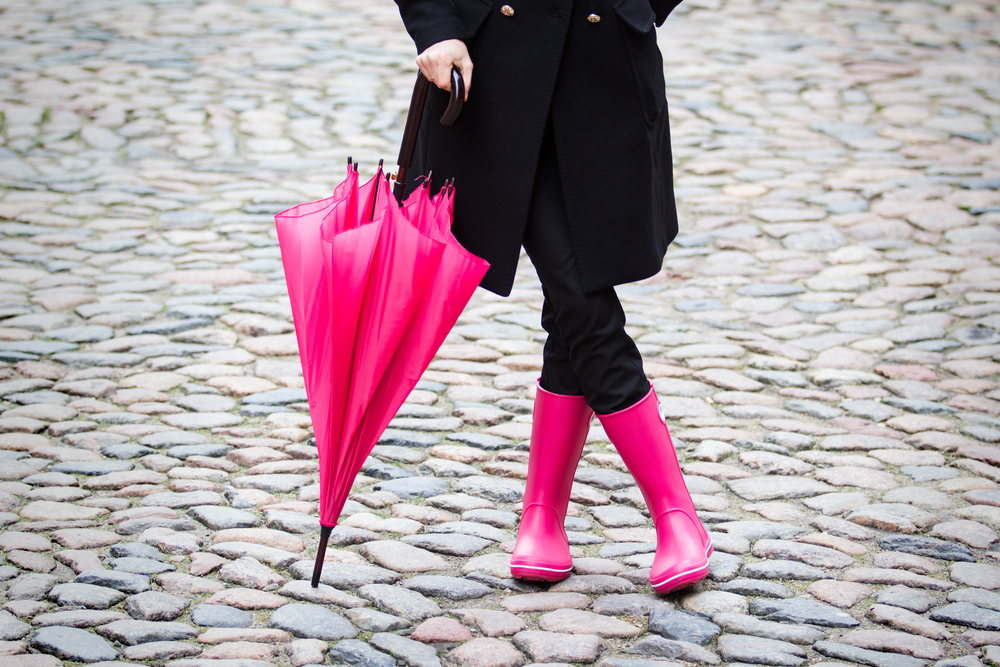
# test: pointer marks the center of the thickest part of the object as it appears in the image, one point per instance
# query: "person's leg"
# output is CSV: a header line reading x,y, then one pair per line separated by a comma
x,y
560,422
683,546
587,350
587,341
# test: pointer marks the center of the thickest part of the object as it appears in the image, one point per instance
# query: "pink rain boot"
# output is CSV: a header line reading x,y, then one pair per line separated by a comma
x,y
640,435
559,429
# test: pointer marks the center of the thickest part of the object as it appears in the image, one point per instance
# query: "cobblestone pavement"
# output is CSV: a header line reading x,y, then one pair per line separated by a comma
x,y
824,337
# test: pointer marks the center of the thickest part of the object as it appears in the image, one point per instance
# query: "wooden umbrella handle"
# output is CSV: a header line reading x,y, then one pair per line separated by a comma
x,y
409,142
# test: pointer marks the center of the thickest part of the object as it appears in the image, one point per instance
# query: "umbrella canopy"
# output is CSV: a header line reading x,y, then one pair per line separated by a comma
x,y
375,287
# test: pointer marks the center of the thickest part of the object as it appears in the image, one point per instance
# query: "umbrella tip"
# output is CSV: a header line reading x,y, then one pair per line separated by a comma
x,y
349,160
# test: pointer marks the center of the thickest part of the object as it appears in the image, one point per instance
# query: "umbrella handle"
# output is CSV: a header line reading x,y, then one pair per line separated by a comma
x,y
409,142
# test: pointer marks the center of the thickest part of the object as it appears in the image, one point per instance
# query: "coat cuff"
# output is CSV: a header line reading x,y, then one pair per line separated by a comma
x,y
431,21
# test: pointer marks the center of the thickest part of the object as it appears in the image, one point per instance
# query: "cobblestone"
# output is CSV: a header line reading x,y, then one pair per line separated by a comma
x,y
824,339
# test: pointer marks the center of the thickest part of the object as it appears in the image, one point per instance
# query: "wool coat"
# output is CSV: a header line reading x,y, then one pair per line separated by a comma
x,y
593,69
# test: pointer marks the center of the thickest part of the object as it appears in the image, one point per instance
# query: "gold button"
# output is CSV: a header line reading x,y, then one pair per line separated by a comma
x,y
594,18
507,10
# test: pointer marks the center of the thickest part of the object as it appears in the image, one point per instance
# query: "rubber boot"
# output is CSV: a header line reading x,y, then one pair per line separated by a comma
x,y
683,546
559,427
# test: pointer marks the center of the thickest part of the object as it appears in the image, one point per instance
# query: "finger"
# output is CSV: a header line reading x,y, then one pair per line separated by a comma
x,y
442,72
424,65
465,67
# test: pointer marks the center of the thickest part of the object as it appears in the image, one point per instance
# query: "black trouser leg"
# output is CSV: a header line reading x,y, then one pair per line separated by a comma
x,y
587,351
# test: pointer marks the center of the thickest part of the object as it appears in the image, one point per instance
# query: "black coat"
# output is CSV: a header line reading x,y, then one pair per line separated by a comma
x,y
601,82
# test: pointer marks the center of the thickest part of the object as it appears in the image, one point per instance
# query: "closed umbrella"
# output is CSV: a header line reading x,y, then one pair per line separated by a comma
x,y
375,284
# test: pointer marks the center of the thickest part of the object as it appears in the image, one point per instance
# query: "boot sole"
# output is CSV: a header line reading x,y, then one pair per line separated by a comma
x,y
537,573
686,578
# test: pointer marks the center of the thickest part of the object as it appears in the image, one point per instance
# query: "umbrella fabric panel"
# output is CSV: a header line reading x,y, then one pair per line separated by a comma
x,y
374,288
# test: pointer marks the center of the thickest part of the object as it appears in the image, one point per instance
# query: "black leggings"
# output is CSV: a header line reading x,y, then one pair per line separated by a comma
x,y
587,351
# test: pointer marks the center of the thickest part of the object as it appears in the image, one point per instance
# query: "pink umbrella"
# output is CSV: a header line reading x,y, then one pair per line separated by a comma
x,y
375,286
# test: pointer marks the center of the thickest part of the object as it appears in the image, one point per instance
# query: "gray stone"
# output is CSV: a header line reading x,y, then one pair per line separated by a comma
x,y
222,518
452,588
291,522
247,570
146,566
806,553
220,616
155,606
11,628
183,500
496,518
801,610
969,615
976,596
30,586
273,483
326,595
760,651
131,633
136,550
908,598
91,467
401,602
371,620
603,478
723,566
680,625
126,451
742,624
157,652
593,584
171,439
978,575
558,647
919,407
757,588
313,622
865,656
628,604
410,652
121,581
449,544
346,575
72,644
927,546
655,645
86,595
359,654
471,528
497,489
399,438
757,489
414,487
209,449
783,569
78,618
896,517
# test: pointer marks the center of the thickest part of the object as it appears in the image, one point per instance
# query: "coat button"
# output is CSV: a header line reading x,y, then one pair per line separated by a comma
x,y
507,10
594,18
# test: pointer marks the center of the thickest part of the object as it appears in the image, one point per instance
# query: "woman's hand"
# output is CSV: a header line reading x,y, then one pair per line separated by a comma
x,y
437,60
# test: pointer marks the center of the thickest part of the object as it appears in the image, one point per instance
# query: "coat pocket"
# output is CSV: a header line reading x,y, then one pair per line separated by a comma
x,y
637,19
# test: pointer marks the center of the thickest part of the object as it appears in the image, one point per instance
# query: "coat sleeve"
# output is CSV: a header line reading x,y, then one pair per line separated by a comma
x,y
431,21
662,8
